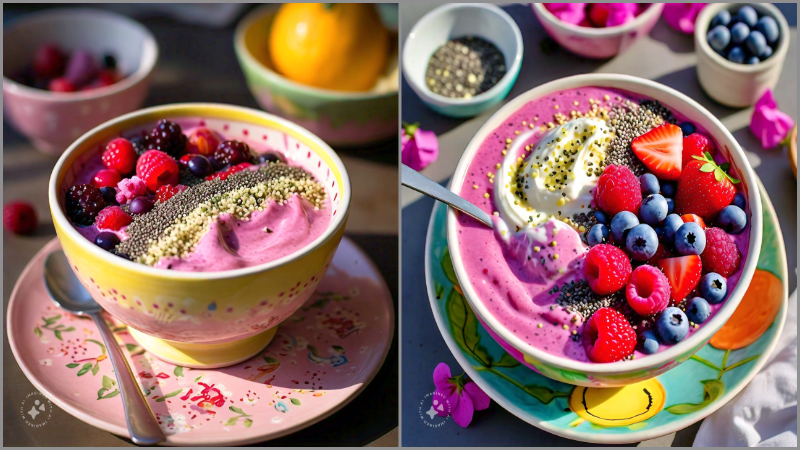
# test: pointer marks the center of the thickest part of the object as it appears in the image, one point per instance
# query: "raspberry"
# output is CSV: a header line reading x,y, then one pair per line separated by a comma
x,y
647,291
230,171
130,188
112,218
49,61
608,337
120,156
166,192
156,169
61,85
168,138
20,218
721,254
618,190
106,178
83,202
607,269
232,152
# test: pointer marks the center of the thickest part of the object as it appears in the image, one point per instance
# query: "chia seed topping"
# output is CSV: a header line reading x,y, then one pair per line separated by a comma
x,y
465,67
629,122
174,227
577,297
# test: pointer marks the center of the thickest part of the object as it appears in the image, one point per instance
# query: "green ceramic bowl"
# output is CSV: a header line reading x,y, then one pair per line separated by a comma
x,y
339,118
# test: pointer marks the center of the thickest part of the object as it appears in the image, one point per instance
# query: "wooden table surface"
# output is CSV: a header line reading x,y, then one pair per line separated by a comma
x,y
208,72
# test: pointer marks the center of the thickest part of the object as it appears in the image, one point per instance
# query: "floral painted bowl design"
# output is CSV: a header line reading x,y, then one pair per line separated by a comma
x,y
231,314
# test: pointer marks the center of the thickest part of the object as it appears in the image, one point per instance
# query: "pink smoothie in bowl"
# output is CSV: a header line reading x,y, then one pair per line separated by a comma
x,y
542,280
179,196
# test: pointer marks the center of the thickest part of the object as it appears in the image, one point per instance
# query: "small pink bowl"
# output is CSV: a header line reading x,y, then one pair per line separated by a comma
x,y
597,43
53,120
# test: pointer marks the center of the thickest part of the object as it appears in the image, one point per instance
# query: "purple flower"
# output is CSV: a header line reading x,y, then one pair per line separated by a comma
x,y
769,124
419,147
620,13
573,13
681,16
463,398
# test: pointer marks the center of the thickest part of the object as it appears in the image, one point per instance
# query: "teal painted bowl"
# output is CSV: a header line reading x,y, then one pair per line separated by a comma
x,y
339,118
455,21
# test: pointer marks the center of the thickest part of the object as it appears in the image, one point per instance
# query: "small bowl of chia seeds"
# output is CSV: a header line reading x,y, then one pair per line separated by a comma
x,y
462,59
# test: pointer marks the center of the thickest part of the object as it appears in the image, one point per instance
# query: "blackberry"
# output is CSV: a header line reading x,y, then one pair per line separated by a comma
x,y
232,153
83,202
141,143
168,138
109,62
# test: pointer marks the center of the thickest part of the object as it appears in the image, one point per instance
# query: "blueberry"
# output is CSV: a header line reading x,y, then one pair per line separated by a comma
x,y
668,189
756,43
690,239
109,62
215,163
109,195
687,128
672,325
648,342
671,225
769,28
270,157
697,310
713,287
141,205
732,219
718,38
200,166
649,184
753,60
598,234
670,205
748,15
654,209
739,33
766,53
642,242
620,225
739,200
722,18
106,240
736,55
601,217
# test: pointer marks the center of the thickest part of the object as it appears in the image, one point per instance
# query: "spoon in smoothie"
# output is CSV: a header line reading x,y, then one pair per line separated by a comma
x,y
68,294
424,185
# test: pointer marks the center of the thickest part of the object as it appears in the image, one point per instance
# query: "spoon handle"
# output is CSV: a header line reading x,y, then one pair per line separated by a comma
x,y
420,183
142,424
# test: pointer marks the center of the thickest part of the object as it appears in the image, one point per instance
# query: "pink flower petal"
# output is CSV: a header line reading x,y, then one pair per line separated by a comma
x,y
768,123
479,398
620,13
441,376
681,16
573,13
462,414
450,398
421,150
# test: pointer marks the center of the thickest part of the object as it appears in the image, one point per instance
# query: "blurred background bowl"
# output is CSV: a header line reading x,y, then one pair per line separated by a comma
x,y
456,21
598,43
53,120
340,118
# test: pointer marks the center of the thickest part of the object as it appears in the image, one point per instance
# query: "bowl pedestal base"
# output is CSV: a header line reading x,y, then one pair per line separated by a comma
x,y
204,356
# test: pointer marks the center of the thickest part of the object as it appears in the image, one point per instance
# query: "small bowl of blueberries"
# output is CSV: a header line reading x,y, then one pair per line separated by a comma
x,y
740,51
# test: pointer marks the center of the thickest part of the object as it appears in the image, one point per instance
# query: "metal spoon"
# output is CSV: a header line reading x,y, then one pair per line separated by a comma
x,y
68,294
422,184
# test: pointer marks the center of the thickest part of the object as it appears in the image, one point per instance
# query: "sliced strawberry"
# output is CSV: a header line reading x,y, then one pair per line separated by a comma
x,y
704,188
694,218
661,253
696,144
683,274
660,151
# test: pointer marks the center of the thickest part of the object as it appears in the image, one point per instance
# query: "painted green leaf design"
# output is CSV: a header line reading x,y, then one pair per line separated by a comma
x,y
37,331
95,368
506,361
544,394
198,379
68,329
110,395
134,349
447,267
295,401
338,348
270,359
86,367
712,390
108,383
464,326
439,290
171,394
741,363
178,371
768,258
232,421
73,365
247,423
236,410
57,333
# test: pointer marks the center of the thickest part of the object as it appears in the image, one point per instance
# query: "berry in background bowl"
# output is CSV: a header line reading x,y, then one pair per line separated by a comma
x,y
597,30
66,71
204,258
740,51
627,226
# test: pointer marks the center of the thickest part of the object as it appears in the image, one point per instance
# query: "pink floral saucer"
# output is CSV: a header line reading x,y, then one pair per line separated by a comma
x,y
322,358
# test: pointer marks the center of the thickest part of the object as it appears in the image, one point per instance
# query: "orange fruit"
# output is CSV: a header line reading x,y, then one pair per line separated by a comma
x,y
755,313
338,46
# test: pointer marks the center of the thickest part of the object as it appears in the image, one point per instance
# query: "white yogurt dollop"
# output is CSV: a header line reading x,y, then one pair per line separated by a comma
x,y
556,177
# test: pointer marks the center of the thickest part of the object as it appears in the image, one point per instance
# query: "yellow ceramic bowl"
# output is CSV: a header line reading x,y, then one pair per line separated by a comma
x,y
205,319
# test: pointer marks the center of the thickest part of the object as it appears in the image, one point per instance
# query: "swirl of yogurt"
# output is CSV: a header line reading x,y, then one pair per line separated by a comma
x,y
555,180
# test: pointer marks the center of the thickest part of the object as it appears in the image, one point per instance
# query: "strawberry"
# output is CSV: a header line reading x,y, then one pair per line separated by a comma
x,y
598,14
61,85
19,217
683,274
156,169
694,218
696,144
661,253
660,150
704,188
